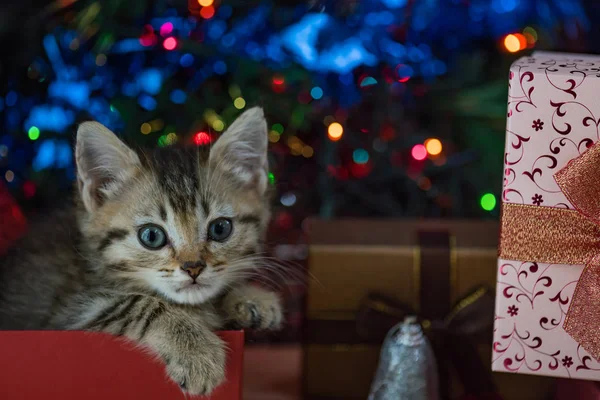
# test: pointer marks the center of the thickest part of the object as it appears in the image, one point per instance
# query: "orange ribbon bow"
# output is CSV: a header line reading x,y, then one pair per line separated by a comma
x,y
564,236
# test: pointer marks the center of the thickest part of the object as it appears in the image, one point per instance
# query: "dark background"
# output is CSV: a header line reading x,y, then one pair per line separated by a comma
x,y
393,73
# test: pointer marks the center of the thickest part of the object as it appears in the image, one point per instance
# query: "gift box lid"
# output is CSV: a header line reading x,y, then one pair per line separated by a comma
x,y
555,55
73,365
577,67
349,258
401,232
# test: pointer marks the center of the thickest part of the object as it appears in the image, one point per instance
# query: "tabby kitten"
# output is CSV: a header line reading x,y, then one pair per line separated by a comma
x,y
156,250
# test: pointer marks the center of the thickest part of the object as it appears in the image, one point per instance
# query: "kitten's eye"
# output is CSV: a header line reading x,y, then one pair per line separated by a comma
x,y
220,229
152,237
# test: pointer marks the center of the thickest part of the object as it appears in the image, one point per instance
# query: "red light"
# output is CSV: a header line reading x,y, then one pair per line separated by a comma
x,y
403,72
207,12
166,28
387,134
419,152
284,220
148,37
17,214
278,84
170,43
29,189
147,40
202,139
360,170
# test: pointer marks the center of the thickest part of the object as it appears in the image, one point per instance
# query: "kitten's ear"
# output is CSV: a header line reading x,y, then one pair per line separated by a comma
x,y
242,149
104,163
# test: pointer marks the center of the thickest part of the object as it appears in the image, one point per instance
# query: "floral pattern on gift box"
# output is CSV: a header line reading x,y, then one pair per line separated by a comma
x,y
567,361
554,117
574,124
537,199
520,91
523,343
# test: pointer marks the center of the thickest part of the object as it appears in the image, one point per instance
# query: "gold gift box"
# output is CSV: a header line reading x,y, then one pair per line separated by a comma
x,y
348,259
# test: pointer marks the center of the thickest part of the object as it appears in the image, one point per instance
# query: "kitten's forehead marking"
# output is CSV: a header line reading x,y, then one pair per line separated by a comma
x,y
177,227
177,172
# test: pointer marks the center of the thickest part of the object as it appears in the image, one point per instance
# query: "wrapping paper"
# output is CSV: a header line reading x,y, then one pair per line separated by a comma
x,y
553,117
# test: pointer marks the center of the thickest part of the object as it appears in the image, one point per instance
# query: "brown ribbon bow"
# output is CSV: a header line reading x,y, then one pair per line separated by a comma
x,y
470,321
564,236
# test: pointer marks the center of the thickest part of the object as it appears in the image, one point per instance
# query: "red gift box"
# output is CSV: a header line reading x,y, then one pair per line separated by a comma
x,y
75,365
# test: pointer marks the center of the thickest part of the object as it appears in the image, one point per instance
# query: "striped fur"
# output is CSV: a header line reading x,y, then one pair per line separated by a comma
x,y
85,268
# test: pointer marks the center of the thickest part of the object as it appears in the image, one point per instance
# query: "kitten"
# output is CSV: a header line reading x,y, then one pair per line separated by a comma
x,y
156,250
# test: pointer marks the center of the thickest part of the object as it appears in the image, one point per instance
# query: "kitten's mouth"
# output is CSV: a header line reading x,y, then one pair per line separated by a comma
x,y
193,285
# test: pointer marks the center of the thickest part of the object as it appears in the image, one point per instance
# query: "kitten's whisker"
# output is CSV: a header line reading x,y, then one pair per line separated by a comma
x,y
239,269
298,266
254,271
297,270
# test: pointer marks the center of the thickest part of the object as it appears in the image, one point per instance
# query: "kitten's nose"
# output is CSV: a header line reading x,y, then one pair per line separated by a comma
x,y
193,268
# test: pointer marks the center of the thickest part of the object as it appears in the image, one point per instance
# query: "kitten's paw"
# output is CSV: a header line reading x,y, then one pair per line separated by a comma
x,y
256,308
199,370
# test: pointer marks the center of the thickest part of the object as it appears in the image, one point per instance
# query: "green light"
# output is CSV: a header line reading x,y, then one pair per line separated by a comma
x,y
239,103
34,133
162,141
271,178
488,202
277,128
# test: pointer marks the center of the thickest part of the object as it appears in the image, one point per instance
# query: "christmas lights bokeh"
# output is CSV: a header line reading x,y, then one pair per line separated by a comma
x,y
355,94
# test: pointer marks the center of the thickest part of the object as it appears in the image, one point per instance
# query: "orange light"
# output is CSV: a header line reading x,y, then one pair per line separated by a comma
x,y
433,146
522,41
335,131
512,43
205,3
515,42
207,12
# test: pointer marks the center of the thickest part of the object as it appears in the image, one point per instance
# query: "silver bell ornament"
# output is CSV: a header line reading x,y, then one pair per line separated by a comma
x,y
407,368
